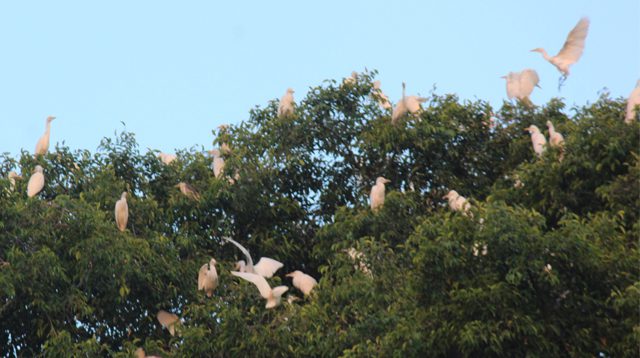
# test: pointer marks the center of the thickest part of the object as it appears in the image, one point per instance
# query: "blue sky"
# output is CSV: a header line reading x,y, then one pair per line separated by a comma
x,y
173,71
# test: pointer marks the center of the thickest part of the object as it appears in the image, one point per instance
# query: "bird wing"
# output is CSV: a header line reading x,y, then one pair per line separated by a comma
x,y
244,251
167,320
574,45
202,276
266,267
513,88
528,80
259,281
307,283
279,291
36,183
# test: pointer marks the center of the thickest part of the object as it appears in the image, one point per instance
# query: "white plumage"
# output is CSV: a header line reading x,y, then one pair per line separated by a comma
x,y
218,163
285,108
537,139
632,102
408,104
383,99
12,176
188,191
122,212
521,84
457,202
272,296
377,193
265,267
42,147
168,320
302,281
36,182
167,158
208,277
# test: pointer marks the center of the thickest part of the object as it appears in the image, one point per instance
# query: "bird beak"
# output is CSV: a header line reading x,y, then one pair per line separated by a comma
x,y
538,86
387,181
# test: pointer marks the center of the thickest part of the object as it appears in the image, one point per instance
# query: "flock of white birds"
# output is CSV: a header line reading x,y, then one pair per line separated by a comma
x,y
519,86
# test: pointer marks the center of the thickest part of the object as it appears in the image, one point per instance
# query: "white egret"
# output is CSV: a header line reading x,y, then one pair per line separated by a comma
x,y
351,79
383,99
36,182
168,320
12,176
42,147
521,84
122,212
218,163
457,202
359,258
555,138
377,193
272,295
632,102
410,104
537,139
302,281
188,191
208,277
266,267
224,147
571,50
285,108
167,158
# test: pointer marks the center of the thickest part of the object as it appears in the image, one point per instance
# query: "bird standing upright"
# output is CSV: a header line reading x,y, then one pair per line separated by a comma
x,y
42,147
285,108
12,176
122,212
537,139
457,202
302,281
632,102
208,277
571,50
377,193
36,182
218,163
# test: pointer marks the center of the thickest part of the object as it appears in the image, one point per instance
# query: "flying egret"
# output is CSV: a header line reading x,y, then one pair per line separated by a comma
x,y
457,202
521,84
122,212
208,277
272,295
42,147
377,193
410,104
36,182
357,256
218,163
537,139
188,191
285,108
167,158
632,102
266,267
302,281
571,50
383,99
168,320
12,176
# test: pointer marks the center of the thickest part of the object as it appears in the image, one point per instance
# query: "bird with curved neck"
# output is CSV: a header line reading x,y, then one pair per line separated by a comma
x,y
42,147
377,193
537,139
556,139
571,50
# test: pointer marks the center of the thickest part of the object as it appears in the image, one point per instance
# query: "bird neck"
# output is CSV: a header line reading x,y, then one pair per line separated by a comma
x,y
545,54
47,129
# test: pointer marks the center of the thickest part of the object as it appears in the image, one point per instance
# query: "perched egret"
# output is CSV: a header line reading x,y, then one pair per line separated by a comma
x,y
12,176
382,98
266,267
410,104
36,182
359,258
208,277
168,320
167,158
188,191
285,108
556,139
272,296
351,79
632,102
42,147
521,84
457,202
571,50
302,281
377,193
218,163
537,139
224,147
122,212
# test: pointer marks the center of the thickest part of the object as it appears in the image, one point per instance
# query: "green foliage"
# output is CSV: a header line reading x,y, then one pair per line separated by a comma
x,y
544,264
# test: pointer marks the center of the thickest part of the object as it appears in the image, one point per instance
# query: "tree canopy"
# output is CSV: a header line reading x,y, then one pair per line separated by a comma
x,y
559,276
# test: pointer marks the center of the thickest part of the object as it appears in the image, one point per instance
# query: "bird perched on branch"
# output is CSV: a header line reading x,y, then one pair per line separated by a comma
x,y
36,182
537,139
122,212
457,202
208,278
377,193
302,281
632,102
167,158
408,104
42,147
285,108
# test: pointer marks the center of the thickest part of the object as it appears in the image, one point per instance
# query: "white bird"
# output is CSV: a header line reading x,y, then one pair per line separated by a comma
x,y
285,108
382,98
351,79
36,182
377,193
122,212
168,320
537,139
521,84
632,102
571,50
188,191
457,202
410,104
556,140
266,267
272,296
224,147
167,158
140,353
359,258
42,147
302,281
12,176
208,277
218,163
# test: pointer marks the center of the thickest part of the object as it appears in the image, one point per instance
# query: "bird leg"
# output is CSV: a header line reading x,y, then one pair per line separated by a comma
x,y
561,82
